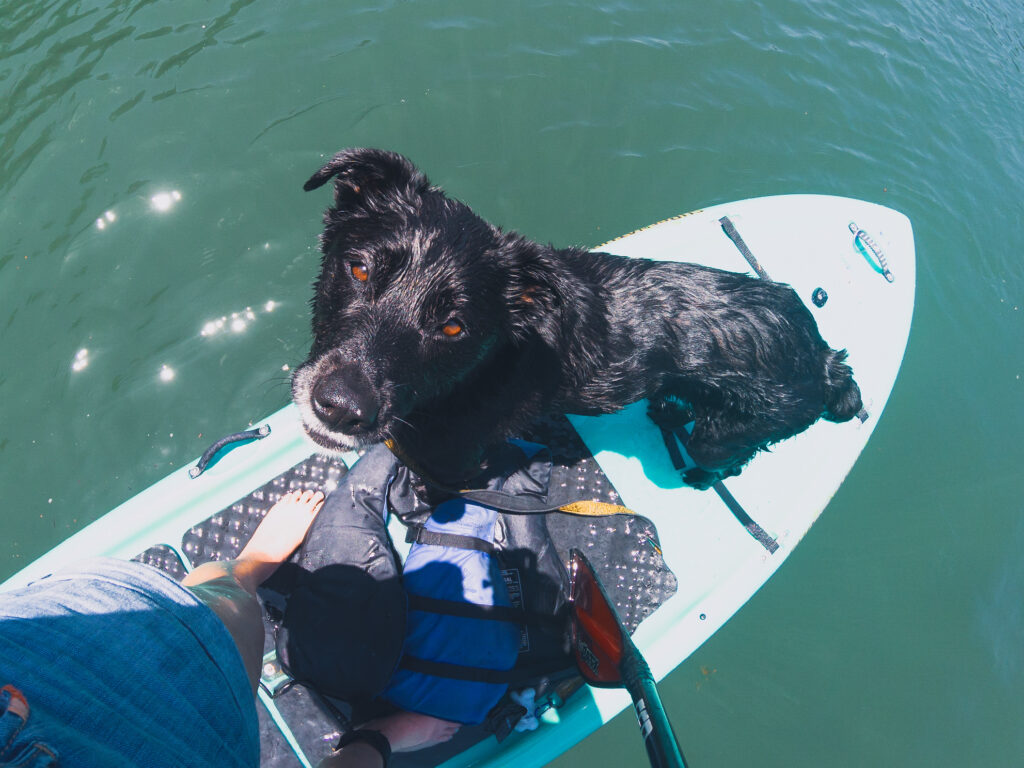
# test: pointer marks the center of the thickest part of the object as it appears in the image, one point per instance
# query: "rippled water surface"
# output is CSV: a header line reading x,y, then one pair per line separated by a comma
x,y
157,250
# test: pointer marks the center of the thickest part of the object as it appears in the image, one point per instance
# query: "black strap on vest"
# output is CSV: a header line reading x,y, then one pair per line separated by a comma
x,y
516,504
473,674
465,610
511,614
506,613
417,534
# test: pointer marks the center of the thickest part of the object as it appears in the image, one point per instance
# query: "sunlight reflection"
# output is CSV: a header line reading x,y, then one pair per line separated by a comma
x,y
161,202
236,322
109,217
81,360
164,201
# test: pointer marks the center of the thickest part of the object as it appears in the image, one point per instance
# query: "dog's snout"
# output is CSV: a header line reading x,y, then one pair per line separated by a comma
x,y
343,400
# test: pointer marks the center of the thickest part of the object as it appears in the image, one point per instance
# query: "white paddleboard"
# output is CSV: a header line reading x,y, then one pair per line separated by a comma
x,y
806,241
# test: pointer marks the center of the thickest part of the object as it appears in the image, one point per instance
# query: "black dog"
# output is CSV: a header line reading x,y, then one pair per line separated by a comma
x,y
445,334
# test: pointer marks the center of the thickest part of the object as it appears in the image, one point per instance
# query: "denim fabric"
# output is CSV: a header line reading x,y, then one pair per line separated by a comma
x,y
122,666
19,746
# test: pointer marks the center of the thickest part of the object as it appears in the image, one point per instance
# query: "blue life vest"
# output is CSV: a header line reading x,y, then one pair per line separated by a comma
x,y
458,575
479,605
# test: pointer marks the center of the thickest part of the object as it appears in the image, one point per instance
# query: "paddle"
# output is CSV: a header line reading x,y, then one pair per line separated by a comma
x,y
608,658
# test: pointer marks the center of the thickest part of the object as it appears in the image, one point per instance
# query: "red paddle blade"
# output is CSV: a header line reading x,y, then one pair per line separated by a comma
x,y
596,630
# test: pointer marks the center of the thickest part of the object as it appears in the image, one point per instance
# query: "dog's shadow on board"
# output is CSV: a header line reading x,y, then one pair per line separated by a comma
x,y
631,434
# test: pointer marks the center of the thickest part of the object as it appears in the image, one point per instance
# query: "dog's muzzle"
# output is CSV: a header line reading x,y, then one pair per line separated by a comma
x,y
343,400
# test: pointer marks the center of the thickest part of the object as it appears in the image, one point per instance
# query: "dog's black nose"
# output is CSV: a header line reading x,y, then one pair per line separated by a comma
x,y
343,400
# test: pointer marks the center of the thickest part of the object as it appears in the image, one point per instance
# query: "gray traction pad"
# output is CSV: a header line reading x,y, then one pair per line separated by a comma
x,y
222,536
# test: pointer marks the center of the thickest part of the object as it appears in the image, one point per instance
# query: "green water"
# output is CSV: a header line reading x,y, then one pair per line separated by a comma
x,y
895,633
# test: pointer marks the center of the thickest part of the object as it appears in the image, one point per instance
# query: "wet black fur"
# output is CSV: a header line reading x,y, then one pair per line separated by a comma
x,y
545,330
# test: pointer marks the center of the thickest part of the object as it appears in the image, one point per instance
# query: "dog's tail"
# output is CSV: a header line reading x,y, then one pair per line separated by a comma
x,y
842,400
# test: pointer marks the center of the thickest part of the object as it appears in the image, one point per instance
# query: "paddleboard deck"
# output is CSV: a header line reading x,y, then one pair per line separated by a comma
x,y
852,263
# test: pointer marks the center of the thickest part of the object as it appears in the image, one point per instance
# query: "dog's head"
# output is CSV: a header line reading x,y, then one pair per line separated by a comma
x,y
416,294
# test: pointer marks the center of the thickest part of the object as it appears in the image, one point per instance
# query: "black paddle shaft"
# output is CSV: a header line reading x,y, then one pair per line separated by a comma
x,y
659,739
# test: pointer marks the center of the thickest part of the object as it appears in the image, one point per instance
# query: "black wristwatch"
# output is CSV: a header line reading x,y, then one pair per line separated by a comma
x,y
375,739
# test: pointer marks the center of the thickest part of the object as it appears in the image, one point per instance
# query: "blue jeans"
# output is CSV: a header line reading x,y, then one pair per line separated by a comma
x,y
116,664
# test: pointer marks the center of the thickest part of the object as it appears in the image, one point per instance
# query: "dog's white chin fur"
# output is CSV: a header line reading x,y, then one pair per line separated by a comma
x,y
326,440
327,443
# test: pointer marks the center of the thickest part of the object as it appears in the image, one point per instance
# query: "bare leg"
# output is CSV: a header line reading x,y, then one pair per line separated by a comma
x,y
228,587
405,732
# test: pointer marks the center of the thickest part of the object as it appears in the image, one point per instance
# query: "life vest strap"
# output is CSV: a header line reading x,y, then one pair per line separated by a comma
x,y
516,504
506,613
473,674
417,534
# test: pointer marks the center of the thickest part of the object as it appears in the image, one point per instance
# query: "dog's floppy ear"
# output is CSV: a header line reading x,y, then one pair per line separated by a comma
x,y
531,294
362,173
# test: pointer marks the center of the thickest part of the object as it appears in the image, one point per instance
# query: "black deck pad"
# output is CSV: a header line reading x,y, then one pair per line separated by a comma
x,y
624,549
274,748
222,536
165,558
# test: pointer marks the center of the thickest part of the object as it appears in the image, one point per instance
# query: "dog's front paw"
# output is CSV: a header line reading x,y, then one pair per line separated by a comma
x,y
670,413
700,479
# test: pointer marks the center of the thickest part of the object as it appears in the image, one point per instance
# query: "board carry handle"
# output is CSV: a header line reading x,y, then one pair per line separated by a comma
x,y
204,461
871,250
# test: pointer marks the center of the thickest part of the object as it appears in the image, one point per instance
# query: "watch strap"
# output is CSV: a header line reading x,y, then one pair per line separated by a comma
x,y
375,739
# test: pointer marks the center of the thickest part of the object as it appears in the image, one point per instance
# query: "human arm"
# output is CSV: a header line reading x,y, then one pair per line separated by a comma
x,y
405,732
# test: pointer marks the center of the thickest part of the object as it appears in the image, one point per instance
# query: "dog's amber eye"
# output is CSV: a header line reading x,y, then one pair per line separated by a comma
x,y
359,271
452,328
